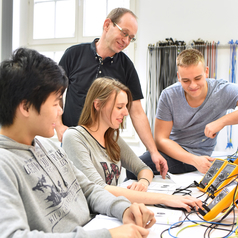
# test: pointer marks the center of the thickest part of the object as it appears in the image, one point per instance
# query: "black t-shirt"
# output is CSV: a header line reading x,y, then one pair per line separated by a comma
x,y
82,66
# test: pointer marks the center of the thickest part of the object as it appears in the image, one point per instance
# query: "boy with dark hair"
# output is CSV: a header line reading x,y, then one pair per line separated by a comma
x,y
41,192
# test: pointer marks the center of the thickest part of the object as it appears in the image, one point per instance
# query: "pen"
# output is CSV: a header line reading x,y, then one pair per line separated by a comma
x,y
167,176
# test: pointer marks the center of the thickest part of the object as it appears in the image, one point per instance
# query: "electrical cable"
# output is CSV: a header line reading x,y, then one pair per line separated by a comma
x,y
185,191
231,158
227,211
215,225
197,222
212,192
232,79
212,226
161,73
179,224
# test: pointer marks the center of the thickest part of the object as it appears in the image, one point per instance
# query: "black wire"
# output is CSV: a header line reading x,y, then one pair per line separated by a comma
x,y
228,183
180,190
209,226
184,192
234,218
215,226
216,191
222,224
203,225
201,195
187,217
205,201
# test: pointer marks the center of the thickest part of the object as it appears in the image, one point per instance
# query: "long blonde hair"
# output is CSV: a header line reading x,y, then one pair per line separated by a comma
x,y
101,89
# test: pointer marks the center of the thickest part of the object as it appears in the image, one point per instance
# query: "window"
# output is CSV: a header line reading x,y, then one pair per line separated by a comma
x,y
55,25
53,19
92,20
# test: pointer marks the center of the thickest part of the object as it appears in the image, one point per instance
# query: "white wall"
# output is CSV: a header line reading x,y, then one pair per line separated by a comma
x,y
211,20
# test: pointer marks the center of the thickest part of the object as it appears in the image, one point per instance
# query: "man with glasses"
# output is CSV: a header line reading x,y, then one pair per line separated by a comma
x,y
85,62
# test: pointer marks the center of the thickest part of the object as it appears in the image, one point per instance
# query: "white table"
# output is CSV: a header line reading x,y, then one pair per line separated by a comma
x,y
164,186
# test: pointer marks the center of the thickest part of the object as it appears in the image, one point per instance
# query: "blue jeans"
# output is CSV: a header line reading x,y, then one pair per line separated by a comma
x,y
175,166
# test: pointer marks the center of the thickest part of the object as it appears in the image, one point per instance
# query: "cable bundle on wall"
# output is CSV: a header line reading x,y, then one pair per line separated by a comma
x,y
161,68
232,79
209,50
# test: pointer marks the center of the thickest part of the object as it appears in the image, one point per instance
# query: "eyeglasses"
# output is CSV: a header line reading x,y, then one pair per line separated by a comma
x,y
123,33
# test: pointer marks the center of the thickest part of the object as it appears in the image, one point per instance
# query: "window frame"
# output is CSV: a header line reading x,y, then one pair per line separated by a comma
x,y
78,38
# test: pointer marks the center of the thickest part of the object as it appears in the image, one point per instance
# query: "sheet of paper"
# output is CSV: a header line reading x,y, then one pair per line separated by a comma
x,y
167,188
162,216
163,188
126,183
102,221
186,178
166,216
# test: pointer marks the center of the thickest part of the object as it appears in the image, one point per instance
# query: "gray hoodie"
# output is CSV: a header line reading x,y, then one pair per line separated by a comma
x,y
41,193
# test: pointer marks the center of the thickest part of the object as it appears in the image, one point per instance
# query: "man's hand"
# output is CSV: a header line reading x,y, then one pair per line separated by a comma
x,y
139,215
141,185
202,163
212,128
160,163
129,230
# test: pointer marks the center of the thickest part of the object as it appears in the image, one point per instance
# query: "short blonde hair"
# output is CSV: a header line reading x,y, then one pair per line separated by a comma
x,y
190,57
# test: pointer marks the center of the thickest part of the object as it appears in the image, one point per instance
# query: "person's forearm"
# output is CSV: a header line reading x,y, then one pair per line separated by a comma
x,y
175,151
212,128
136,196
145,174
229,119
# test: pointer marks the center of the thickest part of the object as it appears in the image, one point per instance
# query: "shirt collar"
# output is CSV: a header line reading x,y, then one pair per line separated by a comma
x,y
93,47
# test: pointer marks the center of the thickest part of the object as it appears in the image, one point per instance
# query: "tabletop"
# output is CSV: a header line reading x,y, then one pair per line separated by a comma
x,y
192,226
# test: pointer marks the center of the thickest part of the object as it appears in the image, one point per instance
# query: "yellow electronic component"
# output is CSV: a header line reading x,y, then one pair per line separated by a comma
x,y
227,174
220,203
216,167
235,161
